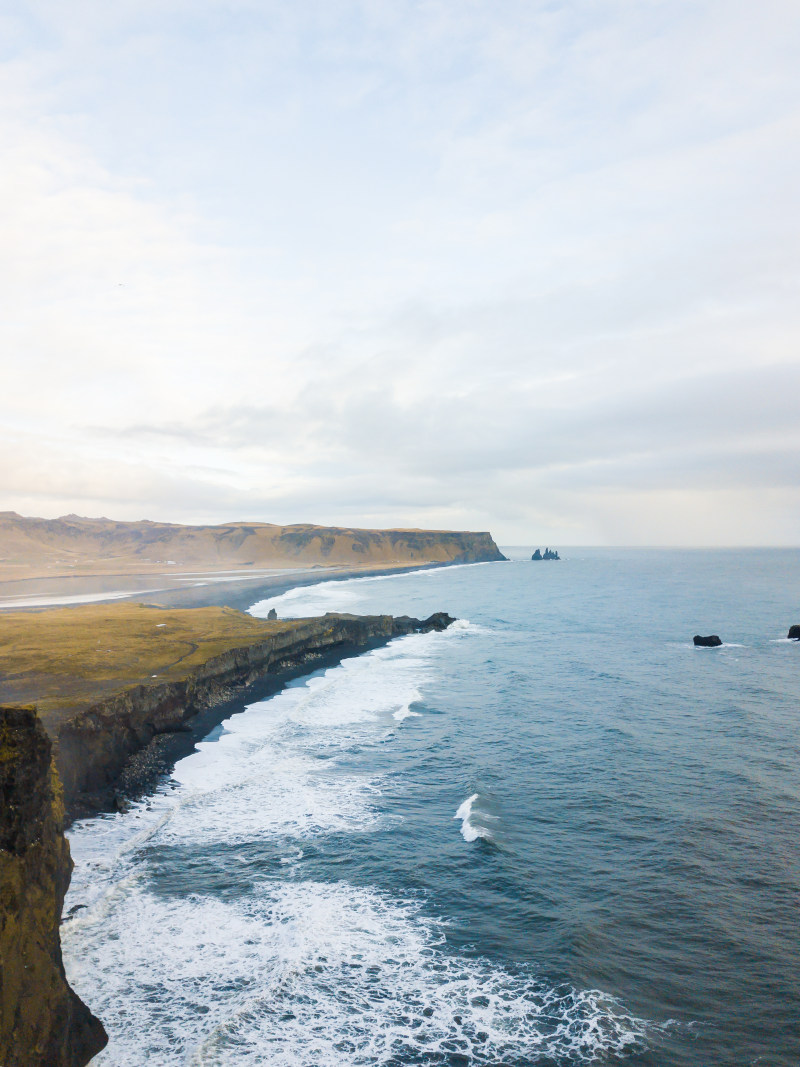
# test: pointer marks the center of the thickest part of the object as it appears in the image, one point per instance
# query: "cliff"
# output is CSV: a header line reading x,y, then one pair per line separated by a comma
x,y
112,681
73,545
42,1021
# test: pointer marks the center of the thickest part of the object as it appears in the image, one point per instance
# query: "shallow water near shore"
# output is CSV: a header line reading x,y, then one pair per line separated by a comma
x,y
555,834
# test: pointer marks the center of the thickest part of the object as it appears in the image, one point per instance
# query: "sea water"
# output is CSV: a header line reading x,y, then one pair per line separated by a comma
x,y
555,834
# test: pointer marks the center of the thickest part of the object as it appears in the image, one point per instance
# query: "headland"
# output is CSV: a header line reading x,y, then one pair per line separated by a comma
x,y
122,691
74,546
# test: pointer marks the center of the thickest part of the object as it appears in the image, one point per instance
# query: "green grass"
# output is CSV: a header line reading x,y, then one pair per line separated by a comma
x,y
66,659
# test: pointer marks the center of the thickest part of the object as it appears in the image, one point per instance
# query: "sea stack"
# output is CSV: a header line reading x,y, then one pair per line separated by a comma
x,y
712,641
538,555
794,633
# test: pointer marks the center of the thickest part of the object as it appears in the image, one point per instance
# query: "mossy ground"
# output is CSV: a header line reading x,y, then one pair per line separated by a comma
x,y
66,659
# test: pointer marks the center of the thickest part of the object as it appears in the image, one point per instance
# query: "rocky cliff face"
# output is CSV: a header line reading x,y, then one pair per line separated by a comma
x,y
42,1021
94,746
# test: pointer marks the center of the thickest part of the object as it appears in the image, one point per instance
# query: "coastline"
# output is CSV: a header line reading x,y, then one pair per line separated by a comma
x,y
211,589
100,758
118,748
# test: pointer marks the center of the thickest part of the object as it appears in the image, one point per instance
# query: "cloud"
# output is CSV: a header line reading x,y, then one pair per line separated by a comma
x,y
401,263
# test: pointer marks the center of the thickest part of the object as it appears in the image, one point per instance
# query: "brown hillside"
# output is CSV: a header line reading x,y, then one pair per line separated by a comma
x,y
73,545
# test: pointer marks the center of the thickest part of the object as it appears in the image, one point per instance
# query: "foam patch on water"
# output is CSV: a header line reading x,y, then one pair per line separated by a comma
x,y
315,975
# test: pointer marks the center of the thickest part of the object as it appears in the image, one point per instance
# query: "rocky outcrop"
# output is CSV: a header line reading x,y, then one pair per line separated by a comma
x,y
712,641
538,555
794,633
43,1023
94,747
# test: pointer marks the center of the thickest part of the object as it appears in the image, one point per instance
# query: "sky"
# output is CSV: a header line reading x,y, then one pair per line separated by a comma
x,y
528,266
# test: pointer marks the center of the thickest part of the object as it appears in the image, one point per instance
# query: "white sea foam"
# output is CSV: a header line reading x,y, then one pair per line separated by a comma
x,y
405,712
308,974
472,822
263,777
307,600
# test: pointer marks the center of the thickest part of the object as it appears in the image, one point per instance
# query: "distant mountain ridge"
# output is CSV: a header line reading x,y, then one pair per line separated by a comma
x,y
73,544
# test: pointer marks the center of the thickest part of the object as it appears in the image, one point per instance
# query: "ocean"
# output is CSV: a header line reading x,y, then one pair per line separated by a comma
x,y
555,834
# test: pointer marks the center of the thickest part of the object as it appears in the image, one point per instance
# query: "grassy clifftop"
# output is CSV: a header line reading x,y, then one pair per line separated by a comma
x,y
66,659
116,681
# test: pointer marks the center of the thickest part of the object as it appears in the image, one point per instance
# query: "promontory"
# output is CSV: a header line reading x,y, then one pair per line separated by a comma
x,y
122,691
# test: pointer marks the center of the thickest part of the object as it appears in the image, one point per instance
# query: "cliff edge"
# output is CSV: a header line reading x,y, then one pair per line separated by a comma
x,y
42,1021
114,681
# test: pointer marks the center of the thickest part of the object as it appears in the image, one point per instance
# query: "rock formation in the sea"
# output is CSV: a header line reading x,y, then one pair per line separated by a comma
x,y
547,554
712,641
272,615
73,545
43,1023
794,633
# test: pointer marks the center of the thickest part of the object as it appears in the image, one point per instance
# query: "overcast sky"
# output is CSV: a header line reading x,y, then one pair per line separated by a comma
x,y
521,265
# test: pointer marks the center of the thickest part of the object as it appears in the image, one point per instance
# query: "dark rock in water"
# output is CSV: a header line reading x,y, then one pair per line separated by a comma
x,y
794,633
272,615
547,554
712,641
43,1023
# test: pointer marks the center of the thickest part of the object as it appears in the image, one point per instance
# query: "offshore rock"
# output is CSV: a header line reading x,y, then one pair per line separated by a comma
x,y
43,1023
538,555
712,641
794,633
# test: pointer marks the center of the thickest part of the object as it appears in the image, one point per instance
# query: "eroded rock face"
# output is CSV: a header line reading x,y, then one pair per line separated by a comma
x,y
712,641
42,1021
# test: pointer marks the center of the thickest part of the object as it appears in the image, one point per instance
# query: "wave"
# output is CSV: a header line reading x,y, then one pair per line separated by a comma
x,y
471,827
310,974
405,712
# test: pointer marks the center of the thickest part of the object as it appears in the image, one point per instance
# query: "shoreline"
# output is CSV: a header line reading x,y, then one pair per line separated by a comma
x,y
118,748
212,589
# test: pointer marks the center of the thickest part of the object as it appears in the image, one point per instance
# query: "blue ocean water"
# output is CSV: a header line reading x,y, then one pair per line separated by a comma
x,y
555,834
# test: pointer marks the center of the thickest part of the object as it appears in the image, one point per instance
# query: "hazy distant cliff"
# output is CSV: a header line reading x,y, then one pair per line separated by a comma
x,y
42,1021
75,545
